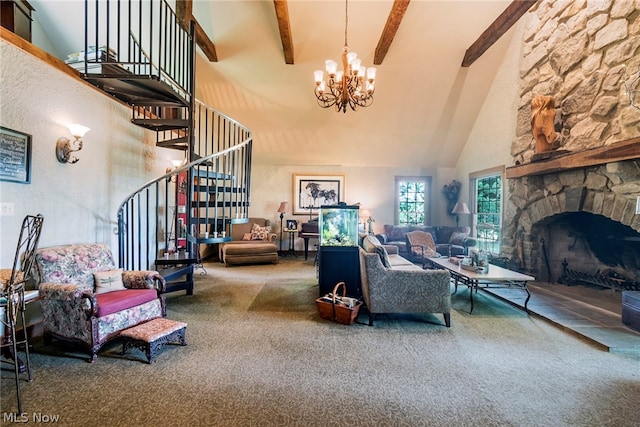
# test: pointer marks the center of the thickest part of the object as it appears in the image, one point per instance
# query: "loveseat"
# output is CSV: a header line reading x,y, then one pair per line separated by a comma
x,y
86,300
392,284
252,242
456,239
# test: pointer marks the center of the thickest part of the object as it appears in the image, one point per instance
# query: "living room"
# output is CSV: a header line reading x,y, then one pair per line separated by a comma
x,y
463,122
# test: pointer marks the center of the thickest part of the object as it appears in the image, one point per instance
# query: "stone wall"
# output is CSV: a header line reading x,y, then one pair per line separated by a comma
x,y
577,52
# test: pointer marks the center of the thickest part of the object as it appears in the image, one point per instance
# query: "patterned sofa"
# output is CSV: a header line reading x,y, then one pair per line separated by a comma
x,y
392,284
83,300
446,238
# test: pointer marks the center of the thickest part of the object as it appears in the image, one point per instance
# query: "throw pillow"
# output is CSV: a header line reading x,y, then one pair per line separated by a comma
x,y
370,243
397,234
260,233
458,238
246,236
384,256
108,281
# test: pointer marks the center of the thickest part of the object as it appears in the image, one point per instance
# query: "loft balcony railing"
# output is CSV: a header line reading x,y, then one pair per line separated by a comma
x,y
139,39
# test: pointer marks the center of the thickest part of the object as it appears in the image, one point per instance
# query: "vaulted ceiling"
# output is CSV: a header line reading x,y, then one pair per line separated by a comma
x,y
264,53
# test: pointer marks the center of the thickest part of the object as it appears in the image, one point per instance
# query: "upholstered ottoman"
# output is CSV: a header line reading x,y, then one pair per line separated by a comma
x,y
252,252
152,335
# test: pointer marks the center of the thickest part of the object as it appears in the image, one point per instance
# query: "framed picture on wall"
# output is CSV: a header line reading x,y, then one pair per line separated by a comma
x,y
15,156
312,191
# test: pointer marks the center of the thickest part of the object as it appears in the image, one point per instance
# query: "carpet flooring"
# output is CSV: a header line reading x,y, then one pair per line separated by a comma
x,y
259,355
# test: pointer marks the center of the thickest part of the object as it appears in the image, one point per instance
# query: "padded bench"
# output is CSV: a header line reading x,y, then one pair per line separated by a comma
x,y
152,335
249,252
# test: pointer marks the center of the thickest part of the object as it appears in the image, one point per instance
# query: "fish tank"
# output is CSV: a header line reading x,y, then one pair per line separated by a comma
x,y
338,225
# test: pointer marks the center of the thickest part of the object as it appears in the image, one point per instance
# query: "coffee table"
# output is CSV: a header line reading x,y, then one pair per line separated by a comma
x,y
496,277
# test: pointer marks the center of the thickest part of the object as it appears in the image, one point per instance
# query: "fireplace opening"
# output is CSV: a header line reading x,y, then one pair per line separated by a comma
x,y
583,248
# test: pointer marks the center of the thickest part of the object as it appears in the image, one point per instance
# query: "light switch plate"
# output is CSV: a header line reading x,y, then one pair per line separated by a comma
x,y
6,209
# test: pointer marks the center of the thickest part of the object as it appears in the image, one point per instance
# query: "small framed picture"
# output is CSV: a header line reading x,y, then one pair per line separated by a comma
x,y
292,224
15,161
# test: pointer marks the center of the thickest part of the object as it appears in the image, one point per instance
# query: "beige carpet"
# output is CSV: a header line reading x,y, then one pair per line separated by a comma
x,y
259,355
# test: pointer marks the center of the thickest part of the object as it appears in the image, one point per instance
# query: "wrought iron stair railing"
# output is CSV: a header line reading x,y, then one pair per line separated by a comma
x,y
141,53
207,196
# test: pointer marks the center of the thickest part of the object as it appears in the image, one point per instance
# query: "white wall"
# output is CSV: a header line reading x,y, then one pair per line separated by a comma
x,y
79,201
373,188
489,143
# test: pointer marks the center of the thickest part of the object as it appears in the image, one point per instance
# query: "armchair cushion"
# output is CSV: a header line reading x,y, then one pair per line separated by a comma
x,y
108,281
112,302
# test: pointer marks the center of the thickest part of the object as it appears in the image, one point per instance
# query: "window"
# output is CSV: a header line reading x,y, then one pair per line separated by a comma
x,y
412,199
487,200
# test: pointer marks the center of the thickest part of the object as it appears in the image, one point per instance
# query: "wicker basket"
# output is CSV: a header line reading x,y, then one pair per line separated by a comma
x,y
336,310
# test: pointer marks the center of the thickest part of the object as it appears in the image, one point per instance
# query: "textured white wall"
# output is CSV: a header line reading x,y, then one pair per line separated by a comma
x,y
373,188
79,201
489,143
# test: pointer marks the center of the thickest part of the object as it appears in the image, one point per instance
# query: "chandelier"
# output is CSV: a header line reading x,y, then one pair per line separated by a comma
x,y
347,87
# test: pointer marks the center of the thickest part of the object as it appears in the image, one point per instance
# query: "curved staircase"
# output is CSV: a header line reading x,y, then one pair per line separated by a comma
x,y
142,54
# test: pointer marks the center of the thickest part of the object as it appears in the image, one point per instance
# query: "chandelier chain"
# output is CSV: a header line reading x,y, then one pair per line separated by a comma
x,y
346,21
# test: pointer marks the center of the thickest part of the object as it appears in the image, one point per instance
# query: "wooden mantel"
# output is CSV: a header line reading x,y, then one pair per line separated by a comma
x,y
619,151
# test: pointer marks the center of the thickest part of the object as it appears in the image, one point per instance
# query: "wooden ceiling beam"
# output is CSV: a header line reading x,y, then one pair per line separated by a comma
x,y
282,13
391,27
184,12
506,20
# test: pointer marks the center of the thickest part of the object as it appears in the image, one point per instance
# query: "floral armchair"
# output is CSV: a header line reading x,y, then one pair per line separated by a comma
x,y
86,300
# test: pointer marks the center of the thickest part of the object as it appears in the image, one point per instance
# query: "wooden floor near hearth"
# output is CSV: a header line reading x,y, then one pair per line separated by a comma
x,y
592,313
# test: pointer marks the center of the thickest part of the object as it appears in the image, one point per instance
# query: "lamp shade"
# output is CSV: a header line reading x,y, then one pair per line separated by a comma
x,y
461,208
77,130
284,207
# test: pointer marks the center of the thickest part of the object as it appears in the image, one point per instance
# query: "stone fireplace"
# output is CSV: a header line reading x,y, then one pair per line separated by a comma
x,y
577,225
575,209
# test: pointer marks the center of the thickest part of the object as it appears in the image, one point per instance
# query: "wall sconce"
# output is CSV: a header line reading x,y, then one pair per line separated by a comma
x,y
176,164
64,148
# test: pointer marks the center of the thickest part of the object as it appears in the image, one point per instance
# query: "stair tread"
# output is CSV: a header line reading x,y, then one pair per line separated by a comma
x,y
136,89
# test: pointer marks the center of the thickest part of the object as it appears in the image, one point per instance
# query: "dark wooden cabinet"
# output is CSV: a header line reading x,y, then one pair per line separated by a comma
x,y
339,264
15,15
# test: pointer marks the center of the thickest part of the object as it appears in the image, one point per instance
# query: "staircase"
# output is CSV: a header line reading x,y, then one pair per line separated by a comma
x,y
140,53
